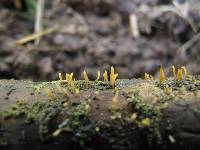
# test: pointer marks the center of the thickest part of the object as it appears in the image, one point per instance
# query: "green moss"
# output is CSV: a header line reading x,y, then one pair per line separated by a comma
x,y
99,85
16,110
40,113
152,132
190,84
75,117
77,120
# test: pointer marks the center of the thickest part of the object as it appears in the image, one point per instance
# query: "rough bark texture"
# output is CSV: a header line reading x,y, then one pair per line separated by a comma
x,y
167,115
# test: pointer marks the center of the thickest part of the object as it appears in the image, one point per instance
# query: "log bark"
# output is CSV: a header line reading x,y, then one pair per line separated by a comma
x,y
137,114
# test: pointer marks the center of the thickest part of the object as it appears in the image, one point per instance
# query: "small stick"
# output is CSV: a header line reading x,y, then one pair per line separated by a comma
x,y
37,35
134,27
39,18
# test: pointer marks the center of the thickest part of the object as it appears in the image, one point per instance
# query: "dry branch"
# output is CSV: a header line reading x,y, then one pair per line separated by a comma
x,y
137,114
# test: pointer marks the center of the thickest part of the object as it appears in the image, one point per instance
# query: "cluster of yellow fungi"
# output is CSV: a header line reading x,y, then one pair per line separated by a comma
x,y
71,81
178,75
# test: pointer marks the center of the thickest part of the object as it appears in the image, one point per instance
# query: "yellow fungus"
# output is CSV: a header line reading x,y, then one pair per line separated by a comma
x,y
77,91
174,70
105,76
179,75
98,76
60,76
65,104
184,70
87,108
70,80
162,75
96,93
145,122
85,76
133,116
115,101
146,76
113,76
48,92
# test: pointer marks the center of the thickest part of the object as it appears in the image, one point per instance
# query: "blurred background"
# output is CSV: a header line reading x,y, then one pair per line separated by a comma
x,y
40,38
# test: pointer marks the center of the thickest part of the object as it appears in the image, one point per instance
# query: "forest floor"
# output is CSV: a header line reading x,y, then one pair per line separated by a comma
x,y
97,34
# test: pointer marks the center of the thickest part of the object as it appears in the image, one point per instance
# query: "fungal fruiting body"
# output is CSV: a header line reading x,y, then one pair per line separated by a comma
x,y
60,76
180,71
69,79
145,122
98,76
111,79
146,76
113,76
105,76
116,102
133,117
85,76
185,71
179,75
162,75
174,70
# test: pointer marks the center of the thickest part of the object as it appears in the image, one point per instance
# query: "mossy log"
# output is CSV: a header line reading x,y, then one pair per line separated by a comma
x,y
136,114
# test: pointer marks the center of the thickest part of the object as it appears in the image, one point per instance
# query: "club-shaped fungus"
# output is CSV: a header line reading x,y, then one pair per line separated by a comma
x,y
60,76
105,76
98,76
116,102
145,122
146,76
70,80
180,71
113,76
85,76
162,75
174,71
180,75
133,117
185,71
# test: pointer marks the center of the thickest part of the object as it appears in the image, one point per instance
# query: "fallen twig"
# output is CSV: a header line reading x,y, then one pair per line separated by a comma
x,y
39,19
37,35
134,27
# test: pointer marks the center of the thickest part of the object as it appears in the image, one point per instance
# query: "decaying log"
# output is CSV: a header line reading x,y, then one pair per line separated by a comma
x,y
137,114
